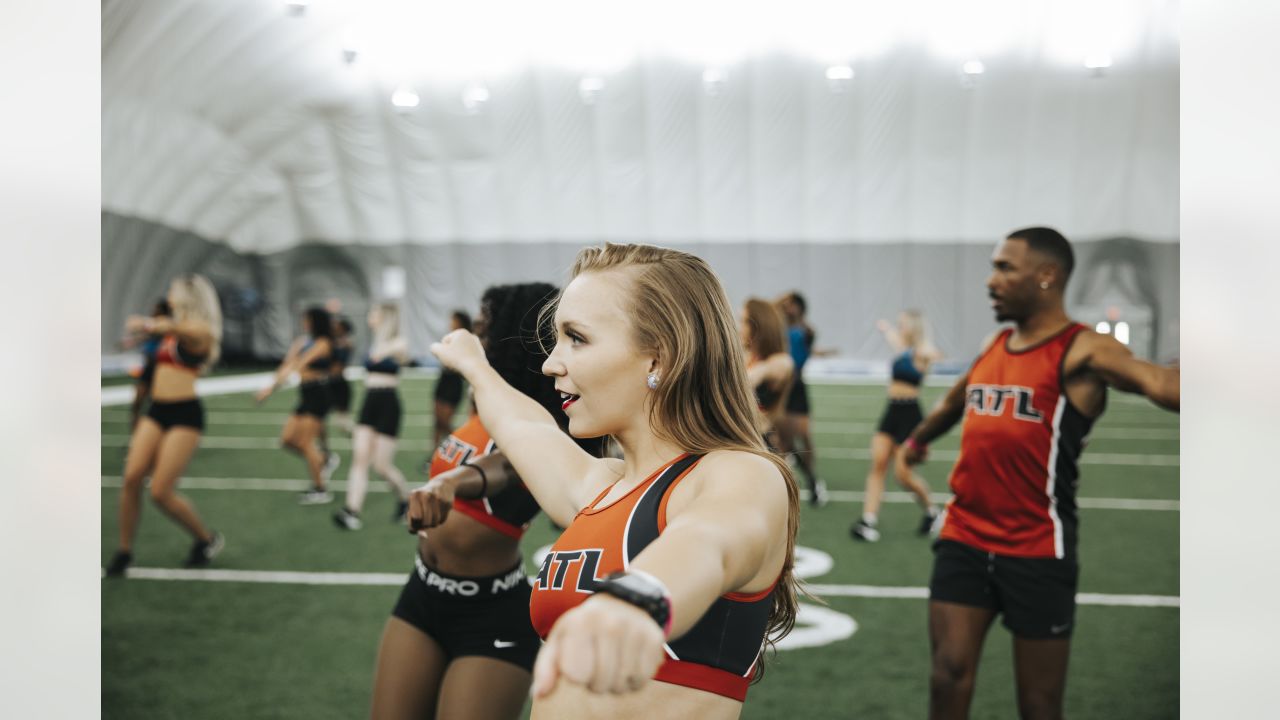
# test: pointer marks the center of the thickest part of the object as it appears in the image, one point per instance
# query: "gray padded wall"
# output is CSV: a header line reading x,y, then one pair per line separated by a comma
x,y
848,286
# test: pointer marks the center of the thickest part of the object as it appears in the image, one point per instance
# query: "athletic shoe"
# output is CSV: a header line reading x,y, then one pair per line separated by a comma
x,y
315,497
926,524
819,496
202,553
119,564
402,509
862,531
331,463
347,520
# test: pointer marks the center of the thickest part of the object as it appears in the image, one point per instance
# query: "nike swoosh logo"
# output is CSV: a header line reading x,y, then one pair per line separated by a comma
x,y
1055,629
503,644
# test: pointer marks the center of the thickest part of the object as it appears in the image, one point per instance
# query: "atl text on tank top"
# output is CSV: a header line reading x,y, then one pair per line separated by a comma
x,y
507,511
1016,477
719,653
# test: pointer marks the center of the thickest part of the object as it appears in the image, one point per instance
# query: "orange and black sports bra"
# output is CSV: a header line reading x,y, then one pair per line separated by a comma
x,y
507,511
719,654
170,353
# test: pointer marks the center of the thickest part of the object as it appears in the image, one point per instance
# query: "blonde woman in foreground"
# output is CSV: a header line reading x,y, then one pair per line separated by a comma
x,y
675,568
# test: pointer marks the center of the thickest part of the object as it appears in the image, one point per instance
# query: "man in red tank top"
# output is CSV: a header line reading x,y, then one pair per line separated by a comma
x,y
1007,545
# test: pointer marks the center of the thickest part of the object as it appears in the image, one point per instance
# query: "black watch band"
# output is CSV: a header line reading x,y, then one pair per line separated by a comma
x,y
642,590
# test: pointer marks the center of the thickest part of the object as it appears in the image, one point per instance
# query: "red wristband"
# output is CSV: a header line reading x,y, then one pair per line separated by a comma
x,y
912,443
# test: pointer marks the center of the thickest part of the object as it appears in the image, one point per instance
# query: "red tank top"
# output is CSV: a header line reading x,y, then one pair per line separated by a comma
x,y
719,653
1016,477
508,511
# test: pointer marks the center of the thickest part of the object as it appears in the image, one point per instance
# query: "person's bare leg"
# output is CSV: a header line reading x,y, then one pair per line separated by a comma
x,y
1040,669
304,443
806,453
908,479
956,633
881,449
406,680
358,476
176,449
142,453
384,455
483,688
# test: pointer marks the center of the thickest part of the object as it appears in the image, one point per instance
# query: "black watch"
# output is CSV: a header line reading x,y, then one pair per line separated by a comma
x,y
642,590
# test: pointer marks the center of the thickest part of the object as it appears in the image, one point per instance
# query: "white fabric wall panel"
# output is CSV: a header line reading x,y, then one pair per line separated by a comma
x,y
672,131
621,154
775,132
883,201
520,160
569,137
368,188
832,129
724,144
216,114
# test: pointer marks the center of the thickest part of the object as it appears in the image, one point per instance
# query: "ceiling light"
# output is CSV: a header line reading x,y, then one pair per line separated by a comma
x,y
839,72
974,67
404,97
474,97
589,89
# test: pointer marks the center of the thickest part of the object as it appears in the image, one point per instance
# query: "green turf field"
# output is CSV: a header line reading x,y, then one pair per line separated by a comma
x,y
201,649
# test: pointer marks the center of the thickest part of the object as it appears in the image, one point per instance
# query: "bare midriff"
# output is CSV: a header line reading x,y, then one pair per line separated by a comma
x,y
655,700
463,547
899,390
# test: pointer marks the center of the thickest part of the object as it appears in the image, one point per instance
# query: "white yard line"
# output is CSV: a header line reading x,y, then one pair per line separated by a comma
x,y
298,485
289,577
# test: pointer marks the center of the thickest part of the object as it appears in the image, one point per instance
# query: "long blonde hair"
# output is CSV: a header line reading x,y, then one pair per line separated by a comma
x,y
388,329
916,336
196,299
680,312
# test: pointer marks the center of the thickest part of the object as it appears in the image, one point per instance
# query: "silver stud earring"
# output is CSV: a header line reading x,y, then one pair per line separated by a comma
x,y
652,381
1044,286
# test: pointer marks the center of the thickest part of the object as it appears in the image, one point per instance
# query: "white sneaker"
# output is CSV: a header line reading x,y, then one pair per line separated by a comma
x,y
865,532
315,497
347,520
820,495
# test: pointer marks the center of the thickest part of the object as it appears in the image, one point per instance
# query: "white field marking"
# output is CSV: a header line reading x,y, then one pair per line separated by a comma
x,y
224,442
803,562
1110,433
289,577
817,626
922,593
1086,459
248,382
942,498
272,418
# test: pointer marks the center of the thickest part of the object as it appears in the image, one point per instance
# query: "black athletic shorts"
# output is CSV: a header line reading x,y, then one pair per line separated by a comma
x,y
381,411
798,400
486,616
314,399
900,418
187,413
1036,596
449,388
340,393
